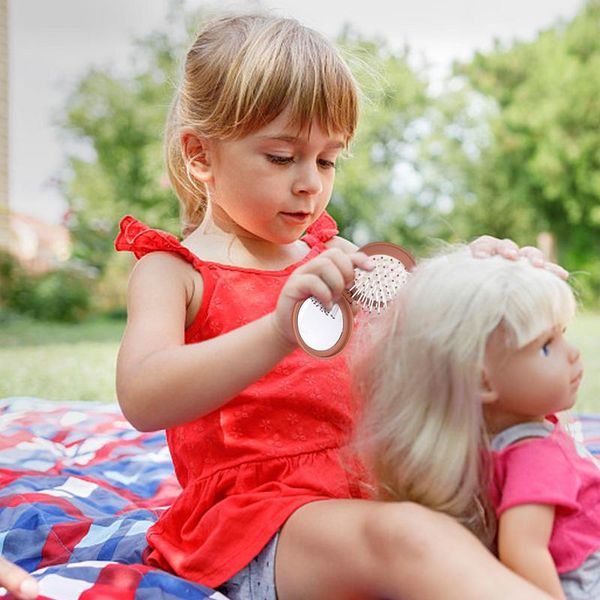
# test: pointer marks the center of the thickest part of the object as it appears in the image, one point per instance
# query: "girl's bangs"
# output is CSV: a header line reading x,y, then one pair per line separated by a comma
x,y
306,78
330,100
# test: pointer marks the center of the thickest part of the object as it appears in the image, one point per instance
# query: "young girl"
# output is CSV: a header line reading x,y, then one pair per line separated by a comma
x,y
472,350
254,425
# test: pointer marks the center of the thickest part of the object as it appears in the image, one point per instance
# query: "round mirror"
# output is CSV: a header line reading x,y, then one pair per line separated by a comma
x,y
319,331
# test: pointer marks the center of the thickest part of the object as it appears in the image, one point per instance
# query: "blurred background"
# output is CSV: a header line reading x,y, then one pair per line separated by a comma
x,y
479,117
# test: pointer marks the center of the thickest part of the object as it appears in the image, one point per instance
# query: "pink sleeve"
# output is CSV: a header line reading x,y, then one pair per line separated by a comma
x,y
536,472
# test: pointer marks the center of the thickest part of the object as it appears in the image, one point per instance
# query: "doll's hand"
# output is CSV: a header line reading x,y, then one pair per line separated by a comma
x,y
16,581
486,245
325,277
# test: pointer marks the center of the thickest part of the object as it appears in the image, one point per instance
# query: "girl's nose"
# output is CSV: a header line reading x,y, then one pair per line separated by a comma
x,y
308,181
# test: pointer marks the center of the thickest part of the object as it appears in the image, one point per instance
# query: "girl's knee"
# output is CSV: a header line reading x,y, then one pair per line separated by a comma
x,y
401,529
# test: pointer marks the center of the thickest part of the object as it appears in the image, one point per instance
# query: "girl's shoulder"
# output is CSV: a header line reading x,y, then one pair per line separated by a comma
x,y
162,269
166,271
162,263
165,278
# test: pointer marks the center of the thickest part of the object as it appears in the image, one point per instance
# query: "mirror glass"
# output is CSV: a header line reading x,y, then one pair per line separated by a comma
x,y
319,329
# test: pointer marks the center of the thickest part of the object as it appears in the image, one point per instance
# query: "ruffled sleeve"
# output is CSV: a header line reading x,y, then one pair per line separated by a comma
x,y
135,236
322,230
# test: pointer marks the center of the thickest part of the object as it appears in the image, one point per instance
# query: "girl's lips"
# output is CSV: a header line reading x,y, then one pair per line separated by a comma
x,y
298,217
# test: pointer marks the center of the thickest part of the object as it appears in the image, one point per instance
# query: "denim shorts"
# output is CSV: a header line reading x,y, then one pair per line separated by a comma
x,y
256,581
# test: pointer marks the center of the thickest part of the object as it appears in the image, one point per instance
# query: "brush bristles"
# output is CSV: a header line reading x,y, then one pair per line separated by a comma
x,y
375,289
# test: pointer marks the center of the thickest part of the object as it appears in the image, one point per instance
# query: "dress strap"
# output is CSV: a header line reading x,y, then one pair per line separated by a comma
x,y
519,432
321,231
137,237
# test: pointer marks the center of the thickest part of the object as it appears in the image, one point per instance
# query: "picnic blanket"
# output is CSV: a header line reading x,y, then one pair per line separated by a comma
x,y
79,487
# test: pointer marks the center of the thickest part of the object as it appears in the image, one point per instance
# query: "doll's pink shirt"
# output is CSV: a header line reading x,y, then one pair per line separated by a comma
x,y
553,470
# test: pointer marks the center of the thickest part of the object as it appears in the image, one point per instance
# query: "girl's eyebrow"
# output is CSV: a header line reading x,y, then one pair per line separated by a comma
x,y
293,139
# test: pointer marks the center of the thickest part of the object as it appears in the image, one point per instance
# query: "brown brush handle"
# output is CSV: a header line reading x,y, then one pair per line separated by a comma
x,y
393,250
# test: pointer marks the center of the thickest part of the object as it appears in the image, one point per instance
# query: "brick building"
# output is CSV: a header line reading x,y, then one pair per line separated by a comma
x,y
39,246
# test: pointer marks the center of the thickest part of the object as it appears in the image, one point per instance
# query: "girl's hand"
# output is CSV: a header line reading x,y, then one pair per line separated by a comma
x,y
486,245
16,581
325,277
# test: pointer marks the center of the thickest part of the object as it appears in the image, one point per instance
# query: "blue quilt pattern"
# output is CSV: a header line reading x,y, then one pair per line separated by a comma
x,y
79,487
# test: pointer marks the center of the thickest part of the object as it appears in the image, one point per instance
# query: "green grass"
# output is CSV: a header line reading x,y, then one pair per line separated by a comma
x,y
77,362
59,361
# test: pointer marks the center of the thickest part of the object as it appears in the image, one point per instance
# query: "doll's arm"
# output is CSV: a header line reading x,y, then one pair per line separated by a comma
x,y
523,536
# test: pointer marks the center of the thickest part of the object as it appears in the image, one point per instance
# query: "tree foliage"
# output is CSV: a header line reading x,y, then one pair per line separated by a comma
x,y
120,121
371,199
116,166
539,168
509,147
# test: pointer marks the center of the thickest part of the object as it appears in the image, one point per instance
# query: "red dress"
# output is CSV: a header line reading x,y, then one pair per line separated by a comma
x,y
247,466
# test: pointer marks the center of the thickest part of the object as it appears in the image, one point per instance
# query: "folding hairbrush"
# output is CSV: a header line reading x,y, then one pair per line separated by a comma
x,y
325,333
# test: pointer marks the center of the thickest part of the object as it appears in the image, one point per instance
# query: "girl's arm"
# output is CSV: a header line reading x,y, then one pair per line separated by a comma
x,y
486,245
523,536
161,382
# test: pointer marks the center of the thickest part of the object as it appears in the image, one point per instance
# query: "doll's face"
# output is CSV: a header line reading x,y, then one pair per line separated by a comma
x,y
529,383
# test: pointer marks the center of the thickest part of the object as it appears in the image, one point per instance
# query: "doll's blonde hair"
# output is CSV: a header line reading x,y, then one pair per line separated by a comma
x,y
422,431
241,73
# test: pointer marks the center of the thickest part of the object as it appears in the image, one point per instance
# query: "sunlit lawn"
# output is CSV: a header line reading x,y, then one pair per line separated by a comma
x,y
77,362
59,361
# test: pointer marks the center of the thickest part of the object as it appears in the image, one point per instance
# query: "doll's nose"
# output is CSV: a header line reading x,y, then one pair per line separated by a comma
x,y
574,354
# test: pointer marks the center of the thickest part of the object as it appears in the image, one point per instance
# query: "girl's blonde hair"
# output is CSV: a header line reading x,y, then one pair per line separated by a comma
x,y
422,431
240,74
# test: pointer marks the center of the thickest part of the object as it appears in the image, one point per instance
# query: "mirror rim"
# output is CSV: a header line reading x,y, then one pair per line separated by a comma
x,y
342,341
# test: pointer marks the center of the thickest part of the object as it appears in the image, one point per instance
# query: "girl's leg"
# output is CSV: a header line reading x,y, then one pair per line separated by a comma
x,y
357,549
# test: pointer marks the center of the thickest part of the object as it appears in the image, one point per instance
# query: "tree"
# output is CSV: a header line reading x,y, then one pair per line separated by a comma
x,y
539,168
119,120
116,166
373,197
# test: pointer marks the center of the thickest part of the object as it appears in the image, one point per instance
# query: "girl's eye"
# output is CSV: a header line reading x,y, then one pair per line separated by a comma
x,y
279,160
545,350
327,164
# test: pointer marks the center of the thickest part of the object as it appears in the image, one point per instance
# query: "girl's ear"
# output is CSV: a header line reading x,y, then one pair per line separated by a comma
x,y
196,154
487,390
